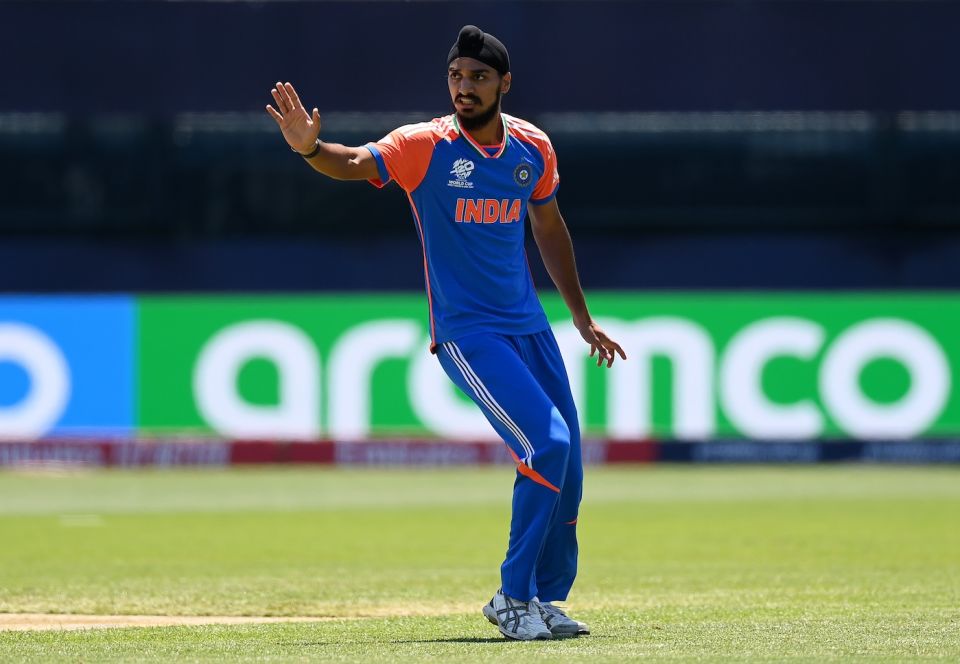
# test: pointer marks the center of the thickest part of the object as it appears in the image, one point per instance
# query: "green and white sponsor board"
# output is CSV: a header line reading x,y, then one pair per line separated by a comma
x,y
701,365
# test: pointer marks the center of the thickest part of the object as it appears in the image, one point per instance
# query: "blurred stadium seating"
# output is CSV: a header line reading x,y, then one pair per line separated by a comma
x,y
702,144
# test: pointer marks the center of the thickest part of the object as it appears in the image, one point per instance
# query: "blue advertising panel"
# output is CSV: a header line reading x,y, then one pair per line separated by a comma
x,y
66,366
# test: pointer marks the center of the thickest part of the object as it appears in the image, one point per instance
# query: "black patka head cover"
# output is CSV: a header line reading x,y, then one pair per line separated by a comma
x,y
479,45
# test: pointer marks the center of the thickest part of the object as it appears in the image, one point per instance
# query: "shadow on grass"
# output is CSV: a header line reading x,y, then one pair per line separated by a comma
x,y
484,639
305,644
474,639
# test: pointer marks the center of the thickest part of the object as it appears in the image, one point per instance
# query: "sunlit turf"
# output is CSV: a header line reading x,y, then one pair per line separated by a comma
x,y
677,563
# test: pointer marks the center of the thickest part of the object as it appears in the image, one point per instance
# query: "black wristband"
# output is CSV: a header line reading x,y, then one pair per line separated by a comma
x,y
312,153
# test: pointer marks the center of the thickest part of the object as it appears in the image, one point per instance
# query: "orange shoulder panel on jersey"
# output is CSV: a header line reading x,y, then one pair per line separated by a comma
x,y
407,150
546,186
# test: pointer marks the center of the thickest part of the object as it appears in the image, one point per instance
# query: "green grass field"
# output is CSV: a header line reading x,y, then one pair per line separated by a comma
x,y
838,563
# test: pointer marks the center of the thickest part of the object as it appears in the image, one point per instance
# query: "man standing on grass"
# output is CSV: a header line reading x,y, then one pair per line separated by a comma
x,y
472,178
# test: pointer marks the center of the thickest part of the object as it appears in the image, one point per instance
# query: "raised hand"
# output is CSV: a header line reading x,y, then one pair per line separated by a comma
x,y
601,344
299,128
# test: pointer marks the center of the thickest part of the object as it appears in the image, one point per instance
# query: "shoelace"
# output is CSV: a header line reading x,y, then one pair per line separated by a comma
x,y
552,612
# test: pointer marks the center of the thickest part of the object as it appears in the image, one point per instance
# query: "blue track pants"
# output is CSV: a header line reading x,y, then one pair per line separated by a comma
x,y
520,384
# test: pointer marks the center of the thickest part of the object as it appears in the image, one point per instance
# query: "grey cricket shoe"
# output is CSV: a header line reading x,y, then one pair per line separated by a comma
x,y
515,619
558,622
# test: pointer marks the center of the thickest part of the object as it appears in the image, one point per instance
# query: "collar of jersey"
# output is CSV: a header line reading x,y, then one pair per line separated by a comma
x,y
479,148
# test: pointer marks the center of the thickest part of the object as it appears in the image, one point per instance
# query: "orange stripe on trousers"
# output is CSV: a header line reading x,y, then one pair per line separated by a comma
x,y
527,471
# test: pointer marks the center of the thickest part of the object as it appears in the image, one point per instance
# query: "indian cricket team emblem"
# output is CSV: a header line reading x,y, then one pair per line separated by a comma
x,y
462,168
522,174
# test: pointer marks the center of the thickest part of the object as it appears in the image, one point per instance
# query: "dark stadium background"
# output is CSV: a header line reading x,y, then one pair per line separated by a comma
x,y
702,144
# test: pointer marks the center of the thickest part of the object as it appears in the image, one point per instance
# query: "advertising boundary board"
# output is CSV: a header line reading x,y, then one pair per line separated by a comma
x,y
703,366
785,366
77,453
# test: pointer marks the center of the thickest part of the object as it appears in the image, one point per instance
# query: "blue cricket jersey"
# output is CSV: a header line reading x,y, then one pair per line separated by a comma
x,y
469,203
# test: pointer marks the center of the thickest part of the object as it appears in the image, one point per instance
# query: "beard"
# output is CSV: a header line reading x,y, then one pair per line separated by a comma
x,y
482,119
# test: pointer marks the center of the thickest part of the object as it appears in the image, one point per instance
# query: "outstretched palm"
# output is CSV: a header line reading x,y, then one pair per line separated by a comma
x,y
299,128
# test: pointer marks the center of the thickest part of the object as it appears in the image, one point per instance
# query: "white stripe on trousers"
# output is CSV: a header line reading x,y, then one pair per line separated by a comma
x,y
483,394
496,407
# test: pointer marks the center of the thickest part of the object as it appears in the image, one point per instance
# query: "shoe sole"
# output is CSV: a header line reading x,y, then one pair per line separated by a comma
x,y
577,632
543,636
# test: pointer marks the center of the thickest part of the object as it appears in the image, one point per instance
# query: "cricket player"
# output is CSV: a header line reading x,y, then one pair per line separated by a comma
x,y
472,178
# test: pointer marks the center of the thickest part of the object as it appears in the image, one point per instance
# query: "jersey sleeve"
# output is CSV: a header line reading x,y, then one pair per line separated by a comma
x,y
403,155
546,187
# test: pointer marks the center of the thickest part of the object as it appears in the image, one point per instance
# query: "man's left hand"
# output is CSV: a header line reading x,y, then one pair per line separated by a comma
x,y
600,343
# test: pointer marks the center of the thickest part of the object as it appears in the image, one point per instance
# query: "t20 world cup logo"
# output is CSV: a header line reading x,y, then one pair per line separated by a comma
x,y
462,168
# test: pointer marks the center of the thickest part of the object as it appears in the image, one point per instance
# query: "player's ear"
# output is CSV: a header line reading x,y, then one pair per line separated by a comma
x,y
505,83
